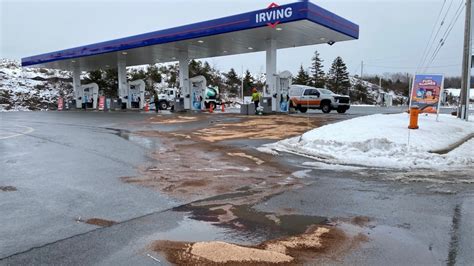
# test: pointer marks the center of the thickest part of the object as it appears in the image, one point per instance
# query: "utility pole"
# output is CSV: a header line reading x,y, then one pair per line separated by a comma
x,y
361,69
463,111
409,88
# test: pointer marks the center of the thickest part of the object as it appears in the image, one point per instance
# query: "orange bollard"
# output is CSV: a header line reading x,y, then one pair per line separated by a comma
x,y
222,107
414,112
211,107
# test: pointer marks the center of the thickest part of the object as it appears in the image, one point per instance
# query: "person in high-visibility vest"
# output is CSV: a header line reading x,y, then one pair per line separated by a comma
x,y
255,98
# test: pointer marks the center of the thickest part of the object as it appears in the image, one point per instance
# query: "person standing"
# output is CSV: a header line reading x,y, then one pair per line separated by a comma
x,y
156,100
255,99
85,102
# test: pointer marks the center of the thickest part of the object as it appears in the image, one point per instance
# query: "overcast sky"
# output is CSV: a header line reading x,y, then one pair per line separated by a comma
x,y
393,34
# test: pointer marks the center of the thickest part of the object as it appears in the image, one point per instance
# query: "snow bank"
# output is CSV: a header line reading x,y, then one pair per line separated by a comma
x,y
384,141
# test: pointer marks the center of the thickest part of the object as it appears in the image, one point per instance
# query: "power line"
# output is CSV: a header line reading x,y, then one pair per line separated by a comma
x,y
412,67
423,66
407,59
446,34
426,50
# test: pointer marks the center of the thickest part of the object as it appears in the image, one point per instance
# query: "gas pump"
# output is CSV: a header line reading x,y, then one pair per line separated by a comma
x,y
283,83
87,94
136,94
198,87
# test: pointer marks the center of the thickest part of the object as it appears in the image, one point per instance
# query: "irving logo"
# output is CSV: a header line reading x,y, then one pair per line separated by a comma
x,y
273,15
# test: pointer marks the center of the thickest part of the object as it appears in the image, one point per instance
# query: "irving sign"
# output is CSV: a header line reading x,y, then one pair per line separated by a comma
x,y
273,15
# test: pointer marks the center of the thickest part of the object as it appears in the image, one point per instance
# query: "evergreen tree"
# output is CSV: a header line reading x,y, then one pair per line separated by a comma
x,y
153,74
106,80
302,78
195,68
317,72
359,93
232,82
248,83
111,79
172,72
96,76
338,77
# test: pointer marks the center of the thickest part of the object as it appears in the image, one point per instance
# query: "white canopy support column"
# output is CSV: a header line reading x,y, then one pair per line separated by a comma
x,y
76,84
271,58
122,78
184,79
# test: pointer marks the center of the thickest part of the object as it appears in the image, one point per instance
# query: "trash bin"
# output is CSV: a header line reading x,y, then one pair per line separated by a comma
x,y
179,105
251,109
266,103
244,109
71,104
108,104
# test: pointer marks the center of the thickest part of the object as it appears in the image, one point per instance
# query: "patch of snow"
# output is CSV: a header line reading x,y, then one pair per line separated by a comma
x,y
301,173
267,150
333,167
384,141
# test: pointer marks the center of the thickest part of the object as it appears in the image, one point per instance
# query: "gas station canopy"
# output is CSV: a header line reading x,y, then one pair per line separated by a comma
x,y
292,25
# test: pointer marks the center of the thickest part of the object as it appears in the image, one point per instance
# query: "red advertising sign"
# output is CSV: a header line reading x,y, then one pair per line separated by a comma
x,y
101,103
60,104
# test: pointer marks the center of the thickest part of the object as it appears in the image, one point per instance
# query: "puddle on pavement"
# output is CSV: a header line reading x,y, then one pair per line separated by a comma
x,y
251,237
145,142
246,221
194,171
295,249
7,188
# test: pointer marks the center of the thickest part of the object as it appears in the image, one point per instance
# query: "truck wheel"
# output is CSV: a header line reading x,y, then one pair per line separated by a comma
x,y
326,108
303,109
341,110
163,105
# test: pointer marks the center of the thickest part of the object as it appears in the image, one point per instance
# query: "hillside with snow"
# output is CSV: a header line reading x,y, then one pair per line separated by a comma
x,y
375,92
31,88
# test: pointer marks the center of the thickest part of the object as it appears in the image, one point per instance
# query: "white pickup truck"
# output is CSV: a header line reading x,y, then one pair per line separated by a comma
x,y
304,97
166,98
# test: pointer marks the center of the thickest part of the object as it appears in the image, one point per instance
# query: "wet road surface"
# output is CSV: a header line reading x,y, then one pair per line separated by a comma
x,y
67,168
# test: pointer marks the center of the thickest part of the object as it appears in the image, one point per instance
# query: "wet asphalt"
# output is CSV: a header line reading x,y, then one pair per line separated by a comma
x,y
67,167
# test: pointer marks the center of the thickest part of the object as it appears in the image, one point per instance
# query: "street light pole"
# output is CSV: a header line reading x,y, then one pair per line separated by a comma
x,y
463,111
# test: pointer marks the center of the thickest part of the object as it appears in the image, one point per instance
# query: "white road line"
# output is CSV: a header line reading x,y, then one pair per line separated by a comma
x,y
27,131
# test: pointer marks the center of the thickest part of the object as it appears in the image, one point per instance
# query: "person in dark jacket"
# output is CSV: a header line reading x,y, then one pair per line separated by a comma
x,y
156,100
